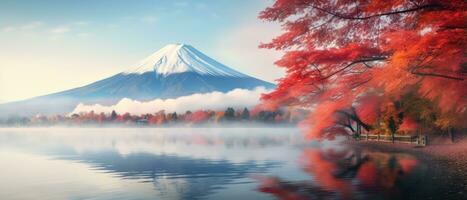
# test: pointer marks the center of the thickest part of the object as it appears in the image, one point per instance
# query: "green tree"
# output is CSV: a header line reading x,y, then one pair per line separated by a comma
x,y
245,114
229,114
113,115
174,116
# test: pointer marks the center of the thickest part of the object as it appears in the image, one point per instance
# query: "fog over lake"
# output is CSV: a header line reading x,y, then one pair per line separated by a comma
x,y
179,163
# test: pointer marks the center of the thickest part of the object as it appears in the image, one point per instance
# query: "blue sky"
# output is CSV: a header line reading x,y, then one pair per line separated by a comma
x,y
52,45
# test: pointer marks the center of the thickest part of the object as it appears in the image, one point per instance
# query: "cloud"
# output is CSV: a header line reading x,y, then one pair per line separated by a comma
x,y
237,98
60,30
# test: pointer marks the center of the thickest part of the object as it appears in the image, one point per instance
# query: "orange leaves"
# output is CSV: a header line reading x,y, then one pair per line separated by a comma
x,y
274,186
407,164
367,174
348,53
347,174
283,9
341,50
368,108
382,5
408,125
323,171
199,116
445,19
433,60
323,117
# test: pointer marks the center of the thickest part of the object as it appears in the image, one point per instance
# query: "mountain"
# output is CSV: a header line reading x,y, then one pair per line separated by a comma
x,y
173,71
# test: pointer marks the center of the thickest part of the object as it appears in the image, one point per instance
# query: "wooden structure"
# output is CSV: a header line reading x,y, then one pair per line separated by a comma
x,y
419,140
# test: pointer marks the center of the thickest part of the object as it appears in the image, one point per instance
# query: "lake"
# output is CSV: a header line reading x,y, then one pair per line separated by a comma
x,y
199,163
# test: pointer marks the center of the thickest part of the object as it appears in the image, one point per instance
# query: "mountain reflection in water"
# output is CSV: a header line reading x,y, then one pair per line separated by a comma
x,y
200,176
199,163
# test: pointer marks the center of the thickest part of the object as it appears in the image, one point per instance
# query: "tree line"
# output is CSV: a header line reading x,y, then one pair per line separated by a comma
x,y
163,118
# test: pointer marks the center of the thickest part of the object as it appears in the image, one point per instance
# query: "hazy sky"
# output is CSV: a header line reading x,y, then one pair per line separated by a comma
x,y
51,45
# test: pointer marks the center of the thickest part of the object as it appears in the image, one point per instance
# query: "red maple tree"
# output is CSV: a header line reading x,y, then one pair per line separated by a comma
x,y
338,52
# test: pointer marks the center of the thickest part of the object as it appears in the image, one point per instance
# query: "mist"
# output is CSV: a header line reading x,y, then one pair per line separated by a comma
x,y
237,98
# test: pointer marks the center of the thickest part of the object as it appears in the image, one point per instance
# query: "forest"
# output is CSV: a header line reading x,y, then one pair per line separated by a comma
x,y
161,118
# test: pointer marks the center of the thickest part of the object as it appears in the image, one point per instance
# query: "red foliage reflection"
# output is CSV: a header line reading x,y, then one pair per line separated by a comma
x,y
323,172
343,176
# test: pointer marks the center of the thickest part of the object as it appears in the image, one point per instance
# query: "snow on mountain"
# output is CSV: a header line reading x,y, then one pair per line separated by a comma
x,y
179,58
174,71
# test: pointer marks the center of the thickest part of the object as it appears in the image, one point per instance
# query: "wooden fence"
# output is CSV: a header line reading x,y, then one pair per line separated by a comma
x,y
419,140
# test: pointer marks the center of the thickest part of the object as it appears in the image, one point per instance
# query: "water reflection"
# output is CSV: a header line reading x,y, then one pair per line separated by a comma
x,y
198,164
351,174
190,178
178,163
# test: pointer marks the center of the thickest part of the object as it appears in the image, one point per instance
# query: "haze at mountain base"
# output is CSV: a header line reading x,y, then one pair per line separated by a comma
x,y
174,71
237,98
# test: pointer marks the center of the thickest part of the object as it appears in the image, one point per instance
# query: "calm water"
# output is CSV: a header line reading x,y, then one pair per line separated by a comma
x,y
198,163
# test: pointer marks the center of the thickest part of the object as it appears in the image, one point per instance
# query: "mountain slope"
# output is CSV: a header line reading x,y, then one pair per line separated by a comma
x,y
173,71
179,58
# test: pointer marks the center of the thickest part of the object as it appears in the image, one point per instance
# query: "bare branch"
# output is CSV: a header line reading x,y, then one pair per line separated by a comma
x,y
348,17
437,75
355,62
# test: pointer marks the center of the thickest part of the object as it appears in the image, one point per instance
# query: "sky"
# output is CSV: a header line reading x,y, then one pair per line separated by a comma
x,y
52,45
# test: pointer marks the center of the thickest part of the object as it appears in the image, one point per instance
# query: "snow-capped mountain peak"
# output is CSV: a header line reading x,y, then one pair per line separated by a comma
x,y
174,71
179,58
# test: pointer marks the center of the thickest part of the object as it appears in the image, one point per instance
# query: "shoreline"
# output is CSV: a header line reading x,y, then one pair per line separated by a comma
x,y
135,126
447,161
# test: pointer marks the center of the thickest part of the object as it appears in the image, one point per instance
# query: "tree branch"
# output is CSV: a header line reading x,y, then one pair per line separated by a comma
x,y
355,118
348,17
353,63
367,65
437,75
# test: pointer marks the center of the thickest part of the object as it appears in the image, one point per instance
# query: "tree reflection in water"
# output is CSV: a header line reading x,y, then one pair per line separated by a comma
x,y
354,174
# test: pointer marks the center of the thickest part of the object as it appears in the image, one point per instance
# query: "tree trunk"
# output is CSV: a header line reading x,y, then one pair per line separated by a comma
x,y
367,134
451,134
359,129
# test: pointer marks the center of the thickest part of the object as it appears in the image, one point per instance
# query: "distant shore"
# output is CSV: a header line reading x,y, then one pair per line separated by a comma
x,y
178,125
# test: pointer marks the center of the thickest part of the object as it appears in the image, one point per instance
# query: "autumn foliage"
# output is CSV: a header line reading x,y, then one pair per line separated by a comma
x,y
362,63
162,118
344,175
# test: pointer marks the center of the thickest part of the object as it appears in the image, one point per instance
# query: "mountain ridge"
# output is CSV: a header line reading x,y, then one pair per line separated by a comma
x,y
179,58
187,72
